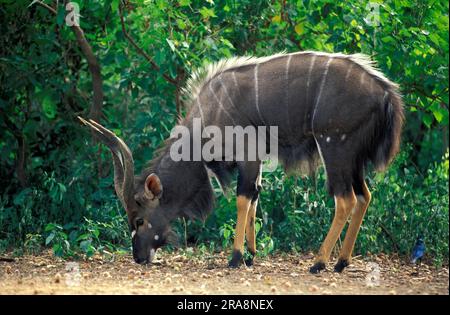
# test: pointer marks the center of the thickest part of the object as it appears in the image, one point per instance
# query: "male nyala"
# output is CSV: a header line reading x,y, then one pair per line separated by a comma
x,y
331,109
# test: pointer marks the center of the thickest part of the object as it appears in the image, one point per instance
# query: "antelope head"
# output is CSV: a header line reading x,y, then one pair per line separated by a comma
x,y
148,222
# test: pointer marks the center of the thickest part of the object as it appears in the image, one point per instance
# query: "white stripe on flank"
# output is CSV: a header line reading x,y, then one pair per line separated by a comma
x,y
201,111
320,154
211,175
322,83
349,70
259,178
363,75
313,60
200,77
226,92
257,94
234,79
371,86
220,103
287,91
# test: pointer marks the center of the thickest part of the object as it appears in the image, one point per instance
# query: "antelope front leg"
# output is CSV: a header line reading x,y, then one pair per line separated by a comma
x,y
344,206
249,184
243,206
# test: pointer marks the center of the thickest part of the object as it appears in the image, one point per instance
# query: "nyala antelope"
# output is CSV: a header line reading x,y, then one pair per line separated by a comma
x,y
331,109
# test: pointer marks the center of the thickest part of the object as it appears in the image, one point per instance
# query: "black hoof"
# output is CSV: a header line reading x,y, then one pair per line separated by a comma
x,y
249,261
236,259
340,265
318,266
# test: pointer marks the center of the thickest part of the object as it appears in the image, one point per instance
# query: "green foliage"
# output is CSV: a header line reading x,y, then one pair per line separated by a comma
x,y
88,238
57,184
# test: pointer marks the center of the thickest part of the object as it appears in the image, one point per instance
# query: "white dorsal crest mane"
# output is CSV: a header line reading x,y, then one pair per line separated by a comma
x,y
203,75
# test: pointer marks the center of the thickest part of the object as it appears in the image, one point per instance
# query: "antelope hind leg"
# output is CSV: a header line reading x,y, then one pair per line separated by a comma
x,y
344,205
353,229
250,232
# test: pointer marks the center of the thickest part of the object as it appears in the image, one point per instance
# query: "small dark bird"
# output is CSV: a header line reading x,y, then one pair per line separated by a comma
x,y
418,250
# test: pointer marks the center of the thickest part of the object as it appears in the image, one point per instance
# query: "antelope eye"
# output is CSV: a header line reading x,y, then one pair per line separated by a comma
x,y
139,222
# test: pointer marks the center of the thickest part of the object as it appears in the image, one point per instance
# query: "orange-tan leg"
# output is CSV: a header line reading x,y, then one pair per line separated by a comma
x,y
243,206
353,229
344,206
250,232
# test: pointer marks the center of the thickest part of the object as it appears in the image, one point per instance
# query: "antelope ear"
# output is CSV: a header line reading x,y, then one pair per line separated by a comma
x,y
153,188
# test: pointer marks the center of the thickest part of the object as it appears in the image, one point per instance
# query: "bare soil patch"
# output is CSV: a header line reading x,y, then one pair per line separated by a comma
x,y
179,273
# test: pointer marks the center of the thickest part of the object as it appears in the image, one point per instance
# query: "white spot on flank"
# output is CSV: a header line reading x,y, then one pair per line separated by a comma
x,y
328,139
149,225
133,233
156,237
343,137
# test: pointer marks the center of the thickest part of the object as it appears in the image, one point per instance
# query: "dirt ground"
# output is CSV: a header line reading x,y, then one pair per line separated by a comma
x,y
181,273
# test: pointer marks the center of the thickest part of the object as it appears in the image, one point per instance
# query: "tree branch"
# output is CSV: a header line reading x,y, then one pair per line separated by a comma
x,y
391,237
21,148
141,51
42,4
95,69
94,66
